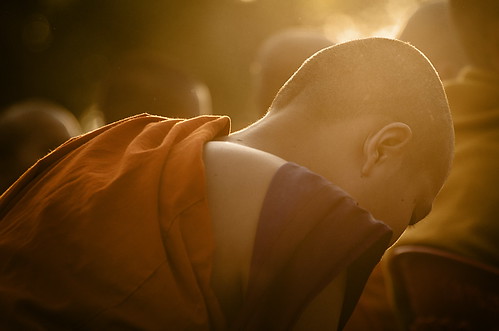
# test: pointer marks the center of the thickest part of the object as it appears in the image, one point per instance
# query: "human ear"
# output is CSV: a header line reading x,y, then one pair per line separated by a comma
x,y
388,141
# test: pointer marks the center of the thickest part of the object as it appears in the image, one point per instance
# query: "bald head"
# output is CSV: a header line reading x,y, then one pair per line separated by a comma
x,y
384,78
369,115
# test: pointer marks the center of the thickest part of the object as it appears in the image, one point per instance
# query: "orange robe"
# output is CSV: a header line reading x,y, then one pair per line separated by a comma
x,y
102,234
112,231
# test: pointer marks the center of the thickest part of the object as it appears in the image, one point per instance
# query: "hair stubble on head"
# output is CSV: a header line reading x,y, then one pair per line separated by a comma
x,y
381,77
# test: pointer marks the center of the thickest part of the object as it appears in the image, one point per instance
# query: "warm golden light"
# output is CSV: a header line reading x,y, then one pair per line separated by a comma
x,y
379,20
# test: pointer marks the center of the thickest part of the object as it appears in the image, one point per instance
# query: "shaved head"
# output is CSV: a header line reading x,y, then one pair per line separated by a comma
x,y
384,78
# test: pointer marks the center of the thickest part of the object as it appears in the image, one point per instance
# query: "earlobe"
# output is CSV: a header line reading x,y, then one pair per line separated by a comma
x,y
388,141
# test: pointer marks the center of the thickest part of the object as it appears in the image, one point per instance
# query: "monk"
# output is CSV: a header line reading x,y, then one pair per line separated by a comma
x,y
153,223
431,30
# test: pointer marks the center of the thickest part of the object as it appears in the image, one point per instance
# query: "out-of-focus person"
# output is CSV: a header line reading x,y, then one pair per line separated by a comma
x,y
147,82
279,56
28,131
431,30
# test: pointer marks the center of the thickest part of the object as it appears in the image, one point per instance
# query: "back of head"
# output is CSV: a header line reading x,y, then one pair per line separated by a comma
x,y
279,57
382,78
477,22
432,31
147,82
28,131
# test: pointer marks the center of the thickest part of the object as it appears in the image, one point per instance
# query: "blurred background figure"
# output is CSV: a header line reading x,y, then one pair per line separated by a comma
x,y
432,31
142,82
464,219
61,49
278,58
28,131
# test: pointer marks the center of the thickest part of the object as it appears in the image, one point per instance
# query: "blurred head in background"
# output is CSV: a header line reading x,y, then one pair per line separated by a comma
x,y
432,31
278,58
477,22
28,131
142,82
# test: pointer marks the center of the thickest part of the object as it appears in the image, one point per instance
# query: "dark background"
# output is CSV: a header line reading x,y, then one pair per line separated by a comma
x,y
59,49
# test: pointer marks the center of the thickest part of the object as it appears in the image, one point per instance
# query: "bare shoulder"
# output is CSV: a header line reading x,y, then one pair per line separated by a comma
x,y
238,174
221,155
237,179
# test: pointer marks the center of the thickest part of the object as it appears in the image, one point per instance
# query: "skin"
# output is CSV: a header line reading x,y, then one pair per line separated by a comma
x,y
371,117
365,156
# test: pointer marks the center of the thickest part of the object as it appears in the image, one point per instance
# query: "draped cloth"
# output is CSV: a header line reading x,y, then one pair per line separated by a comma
x,y
102,234
112,231
309,231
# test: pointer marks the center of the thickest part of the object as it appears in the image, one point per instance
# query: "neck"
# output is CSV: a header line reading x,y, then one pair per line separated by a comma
x,y
327,149
275,134
294,139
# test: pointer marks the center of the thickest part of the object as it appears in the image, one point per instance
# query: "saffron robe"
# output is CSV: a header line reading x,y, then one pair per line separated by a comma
x,y
112,231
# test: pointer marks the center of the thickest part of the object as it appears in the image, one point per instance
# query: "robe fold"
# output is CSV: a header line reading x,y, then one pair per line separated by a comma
x,y
112,231
103,234
309,231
